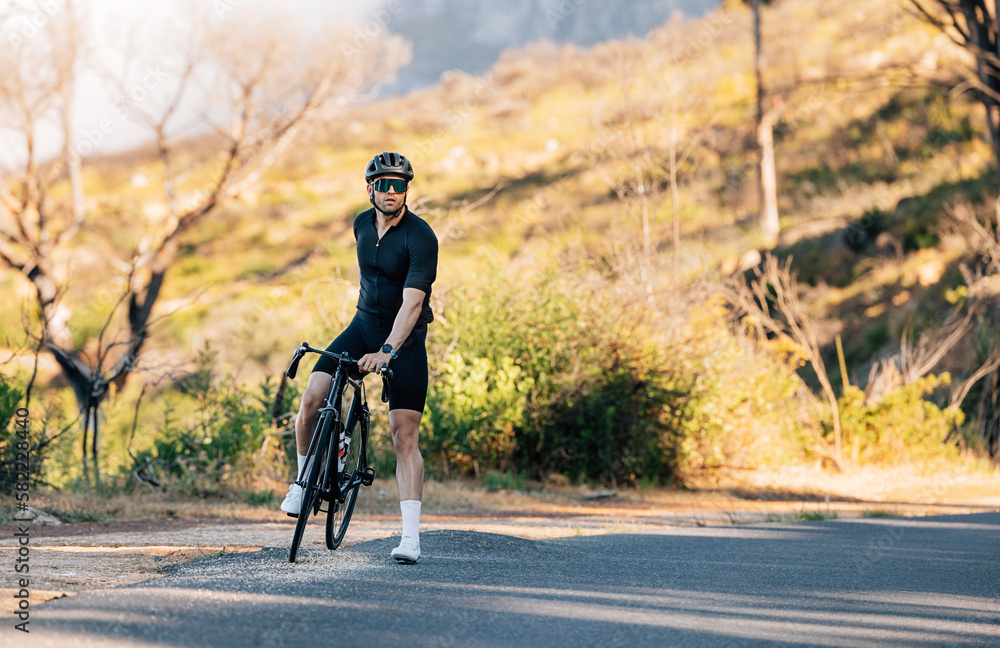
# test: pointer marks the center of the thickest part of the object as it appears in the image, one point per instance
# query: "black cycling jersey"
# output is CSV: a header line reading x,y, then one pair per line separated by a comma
x,y
405,257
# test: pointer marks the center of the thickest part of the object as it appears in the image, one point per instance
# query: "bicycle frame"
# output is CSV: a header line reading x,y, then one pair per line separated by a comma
x,y
331,489
325,480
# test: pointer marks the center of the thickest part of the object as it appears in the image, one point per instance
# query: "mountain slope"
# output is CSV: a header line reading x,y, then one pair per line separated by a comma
x,y
544,156
470,36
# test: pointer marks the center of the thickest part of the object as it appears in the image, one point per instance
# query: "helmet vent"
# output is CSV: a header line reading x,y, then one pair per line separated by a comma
x,y
389,163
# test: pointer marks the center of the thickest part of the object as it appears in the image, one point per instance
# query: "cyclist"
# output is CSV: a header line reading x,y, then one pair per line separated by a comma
x,y
397,261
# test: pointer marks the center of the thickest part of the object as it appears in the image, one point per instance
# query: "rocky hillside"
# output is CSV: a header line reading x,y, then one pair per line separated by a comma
x,y
563,155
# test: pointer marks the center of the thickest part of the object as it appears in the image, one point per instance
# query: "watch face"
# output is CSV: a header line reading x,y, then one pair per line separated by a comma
x,y
386,348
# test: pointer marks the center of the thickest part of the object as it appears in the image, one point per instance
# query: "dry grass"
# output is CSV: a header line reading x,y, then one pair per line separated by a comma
x,y
914,489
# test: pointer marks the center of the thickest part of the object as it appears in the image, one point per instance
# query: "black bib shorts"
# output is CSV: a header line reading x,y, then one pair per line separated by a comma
x,y
408,389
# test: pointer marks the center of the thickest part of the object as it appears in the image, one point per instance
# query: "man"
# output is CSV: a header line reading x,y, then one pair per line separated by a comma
x,y
397,261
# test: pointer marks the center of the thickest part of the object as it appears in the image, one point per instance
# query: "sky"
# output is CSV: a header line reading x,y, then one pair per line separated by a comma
x,y
100,121
309,9
108,17
141,27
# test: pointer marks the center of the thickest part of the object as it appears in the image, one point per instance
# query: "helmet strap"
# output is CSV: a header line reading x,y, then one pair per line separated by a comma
x,y
371,199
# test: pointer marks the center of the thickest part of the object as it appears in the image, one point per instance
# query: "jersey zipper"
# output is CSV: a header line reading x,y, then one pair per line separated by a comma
x,y
378,308
378,242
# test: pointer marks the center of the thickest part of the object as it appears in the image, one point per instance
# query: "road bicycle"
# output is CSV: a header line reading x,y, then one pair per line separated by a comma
x,y
340,447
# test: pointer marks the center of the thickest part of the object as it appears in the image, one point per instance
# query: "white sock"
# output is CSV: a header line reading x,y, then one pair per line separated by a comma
x,y
411,518
304,464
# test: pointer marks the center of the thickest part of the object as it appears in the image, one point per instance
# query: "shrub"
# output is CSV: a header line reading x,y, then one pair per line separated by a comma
x,y
743,403
485,403
902,426
47,425
543,376
228,431
540,376
864,231
10,397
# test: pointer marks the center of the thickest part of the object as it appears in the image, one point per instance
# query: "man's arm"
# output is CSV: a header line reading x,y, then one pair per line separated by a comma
x,y
409,312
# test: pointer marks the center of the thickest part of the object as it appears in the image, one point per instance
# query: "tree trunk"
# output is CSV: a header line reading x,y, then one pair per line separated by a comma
x,y
768,181
90,390
83,451
984,36
93,413
675,202
769,223
71,157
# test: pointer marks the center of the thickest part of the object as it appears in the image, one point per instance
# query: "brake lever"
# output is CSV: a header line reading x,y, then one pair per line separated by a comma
x,y
297,356
386,373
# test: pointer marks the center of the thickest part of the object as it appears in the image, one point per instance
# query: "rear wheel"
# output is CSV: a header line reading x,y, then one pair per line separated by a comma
x,y
339,517
310,495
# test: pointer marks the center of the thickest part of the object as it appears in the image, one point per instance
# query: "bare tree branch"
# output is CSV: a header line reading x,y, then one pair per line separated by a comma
x,y
932,347
972,25
961,390
950,8
984,239
774,287
274,82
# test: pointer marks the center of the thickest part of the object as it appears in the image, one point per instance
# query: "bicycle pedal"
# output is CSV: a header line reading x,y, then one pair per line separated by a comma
x,y
367,476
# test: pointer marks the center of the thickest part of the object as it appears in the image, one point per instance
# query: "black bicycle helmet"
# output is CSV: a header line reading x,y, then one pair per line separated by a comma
x,y
389,163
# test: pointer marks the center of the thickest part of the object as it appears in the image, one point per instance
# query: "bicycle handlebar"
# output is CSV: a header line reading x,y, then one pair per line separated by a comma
x,y
296,356
343,359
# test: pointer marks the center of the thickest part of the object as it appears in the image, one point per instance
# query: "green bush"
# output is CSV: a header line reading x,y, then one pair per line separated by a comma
x,y
542,377
904,425
44,426
866,229
743,404
546,376
919,234
10,398
228,431
477,405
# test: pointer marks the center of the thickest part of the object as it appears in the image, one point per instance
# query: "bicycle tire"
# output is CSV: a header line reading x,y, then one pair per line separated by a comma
x,y
339,517
310,499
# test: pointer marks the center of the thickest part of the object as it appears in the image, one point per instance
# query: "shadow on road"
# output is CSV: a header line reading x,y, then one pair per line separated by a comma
x,y
885,582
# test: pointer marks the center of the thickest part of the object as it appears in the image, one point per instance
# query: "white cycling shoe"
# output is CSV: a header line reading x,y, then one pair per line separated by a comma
x,y
293,501
408,551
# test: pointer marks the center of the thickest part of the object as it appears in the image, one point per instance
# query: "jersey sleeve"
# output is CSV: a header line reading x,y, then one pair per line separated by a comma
x,y
358,220
423,262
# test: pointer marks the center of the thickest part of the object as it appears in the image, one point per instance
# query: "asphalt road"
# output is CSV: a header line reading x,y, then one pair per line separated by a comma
x,y
873,582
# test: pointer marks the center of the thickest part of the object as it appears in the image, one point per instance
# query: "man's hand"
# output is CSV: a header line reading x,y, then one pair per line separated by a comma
x,y
373,361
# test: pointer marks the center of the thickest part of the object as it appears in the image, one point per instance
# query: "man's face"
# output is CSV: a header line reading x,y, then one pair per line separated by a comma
x,y
389,200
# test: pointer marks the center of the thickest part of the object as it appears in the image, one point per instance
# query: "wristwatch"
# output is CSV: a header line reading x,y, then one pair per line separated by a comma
x,y
387,348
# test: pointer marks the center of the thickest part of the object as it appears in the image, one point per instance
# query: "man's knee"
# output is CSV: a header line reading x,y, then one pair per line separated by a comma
x,y
315,392
405,430
311,400
405,437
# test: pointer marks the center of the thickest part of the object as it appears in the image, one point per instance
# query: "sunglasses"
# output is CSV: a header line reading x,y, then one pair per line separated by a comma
x,y
383,184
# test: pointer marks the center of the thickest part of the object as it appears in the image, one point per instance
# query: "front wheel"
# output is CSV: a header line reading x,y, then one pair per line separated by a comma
x,y
310,494
339,516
